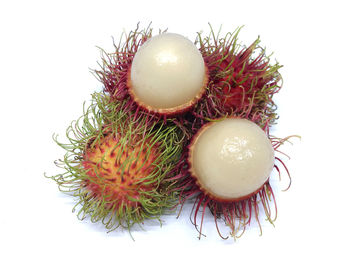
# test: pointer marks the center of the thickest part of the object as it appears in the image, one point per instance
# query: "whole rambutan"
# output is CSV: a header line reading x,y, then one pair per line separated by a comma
x,y
116,165
242,81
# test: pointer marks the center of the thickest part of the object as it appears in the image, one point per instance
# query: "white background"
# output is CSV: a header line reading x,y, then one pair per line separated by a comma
x,y
46,50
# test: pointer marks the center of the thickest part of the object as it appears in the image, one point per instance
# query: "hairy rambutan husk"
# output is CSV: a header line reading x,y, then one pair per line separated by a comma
x,y
116,164
242,82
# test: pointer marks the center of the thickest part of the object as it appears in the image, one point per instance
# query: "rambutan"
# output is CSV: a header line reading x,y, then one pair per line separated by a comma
x,y
162,76
177,119
227,170
168,75
116,165
242,81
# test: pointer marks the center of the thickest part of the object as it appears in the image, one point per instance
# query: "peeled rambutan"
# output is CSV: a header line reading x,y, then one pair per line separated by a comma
x,y
163,75
167,75
116,165
227,170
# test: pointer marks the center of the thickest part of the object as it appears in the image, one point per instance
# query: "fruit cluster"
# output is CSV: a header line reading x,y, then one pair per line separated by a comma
x,y
177,121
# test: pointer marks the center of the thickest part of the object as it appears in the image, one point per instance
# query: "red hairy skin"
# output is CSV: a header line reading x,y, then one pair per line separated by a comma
x,y
241,82
247,77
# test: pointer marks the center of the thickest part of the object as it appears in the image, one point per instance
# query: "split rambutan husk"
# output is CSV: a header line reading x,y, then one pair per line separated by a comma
x,y
116,164
238,214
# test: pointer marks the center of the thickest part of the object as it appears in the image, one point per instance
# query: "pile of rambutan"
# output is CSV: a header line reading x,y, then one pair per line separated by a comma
x,y
177,121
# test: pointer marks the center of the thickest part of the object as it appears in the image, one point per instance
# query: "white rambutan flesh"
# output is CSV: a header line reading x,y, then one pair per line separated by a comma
x,y
168,74
231,159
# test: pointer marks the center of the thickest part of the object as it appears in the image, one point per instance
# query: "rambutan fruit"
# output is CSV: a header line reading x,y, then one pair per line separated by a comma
x,y
164,75
242,81
125,161
228,168
231,159
116,165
